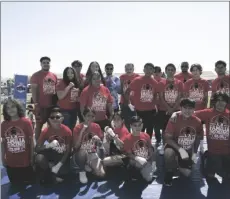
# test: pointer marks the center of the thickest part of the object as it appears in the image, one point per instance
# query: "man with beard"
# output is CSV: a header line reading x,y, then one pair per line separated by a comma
x,y
216,120
43,84
182,136
184,75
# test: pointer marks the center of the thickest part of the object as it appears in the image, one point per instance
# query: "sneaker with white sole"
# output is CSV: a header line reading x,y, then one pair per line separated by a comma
x,y
82,177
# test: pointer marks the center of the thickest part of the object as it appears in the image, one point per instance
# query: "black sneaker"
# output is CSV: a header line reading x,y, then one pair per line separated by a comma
x,y
168,179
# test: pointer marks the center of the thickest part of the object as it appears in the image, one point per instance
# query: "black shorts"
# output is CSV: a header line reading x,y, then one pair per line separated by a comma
x,y
113,149
186,164
55,157
18,175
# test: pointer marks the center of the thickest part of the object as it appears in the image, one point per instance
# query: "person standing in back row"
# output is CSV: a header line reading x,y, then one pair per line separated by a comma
x,y
43,84
144,90
221,83
98,98
197,88
184,75
170,91
113,84
68,93
126,79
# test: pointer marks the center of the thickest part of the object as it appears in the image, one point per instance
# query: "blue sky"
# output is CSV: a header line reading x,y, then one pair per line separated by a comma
x,y
112,32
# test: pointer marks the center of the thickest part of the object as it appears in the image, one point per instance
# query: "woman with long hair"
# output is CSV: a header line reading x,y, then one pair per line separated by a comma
x,y
98,98
68,93
94,67
17,143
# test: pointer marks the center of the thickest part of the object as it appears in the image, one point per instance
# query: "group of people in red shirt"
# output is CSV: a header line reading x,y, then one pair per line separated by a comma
x,y
173,109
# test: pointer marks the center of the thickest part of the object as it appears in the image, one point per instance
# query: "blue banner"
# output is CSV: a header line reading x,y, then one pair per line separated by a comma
x,y
20,88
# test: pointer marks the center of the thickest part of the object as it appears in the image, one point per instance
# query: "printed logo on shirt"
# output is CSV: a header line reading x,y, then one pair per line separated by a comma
x,y
187,137
219,128
196,92
73,95
140,149
146,93
171,93
99,102
21,88
223,87
87,143
15,138
48,86
61,148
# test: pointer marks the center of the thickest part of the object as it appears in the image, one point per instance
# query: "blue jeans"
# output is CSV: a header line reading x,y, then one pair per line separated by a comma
x,y
70,118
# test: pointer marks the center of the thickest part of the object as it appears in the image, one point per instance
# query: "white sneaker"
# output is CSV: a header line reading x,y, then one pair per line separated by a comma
x,y
83,178
161,149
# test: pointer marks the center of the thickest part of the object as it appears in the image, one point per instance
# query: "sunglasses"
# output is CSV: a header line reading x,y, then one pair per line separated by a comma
x,y
109,68
55,117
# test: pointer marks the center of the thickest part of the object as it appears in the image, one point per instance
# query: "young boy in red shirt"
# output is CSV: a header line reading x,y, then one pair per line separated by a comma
x,y
139,150
216,120
182,136
53,148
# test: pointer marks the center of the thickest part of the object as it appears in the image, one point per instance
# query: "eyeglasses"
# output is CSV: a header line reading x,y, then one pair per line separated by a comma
x,y
109,69
45,62
77,66
55,117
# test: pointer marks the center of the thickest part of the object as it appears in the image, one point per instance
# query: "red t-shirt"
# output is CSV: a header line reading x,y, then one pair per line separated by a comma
x,y
170,90
138,145
63,136
217,130
195,90
144,91
87,144
221,84
70,100
121,132
46,82
183,76
126,79
17,136
97,99
184,132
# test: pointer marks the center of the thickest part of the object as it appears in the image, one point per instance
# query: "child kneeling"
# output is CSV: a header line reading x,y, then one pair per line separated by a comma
x,y
139,150
87,137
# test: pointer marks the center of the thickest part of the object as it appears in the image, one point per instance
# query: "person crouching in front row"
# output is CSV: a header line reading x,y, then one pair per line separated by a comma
x,y
113,141
139,150
87,137
182,136
53,149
